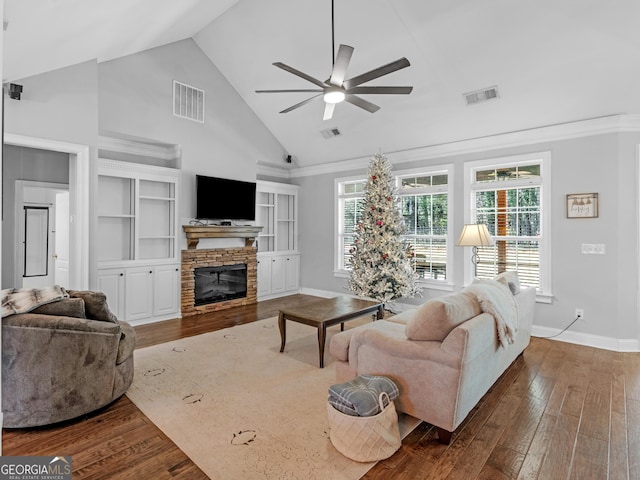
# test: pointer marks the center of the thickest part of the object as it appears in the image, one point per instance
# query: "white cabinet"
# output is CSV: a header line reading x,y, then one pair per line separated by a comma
x,y
111,282
264,275
137,239
140,294
292,272
278,274
278,257
166,297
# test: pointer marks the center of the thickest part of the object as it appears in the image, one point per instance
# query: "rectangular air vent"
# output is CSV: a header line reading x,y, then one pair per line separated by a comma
x,y
330,133
188,102
483,95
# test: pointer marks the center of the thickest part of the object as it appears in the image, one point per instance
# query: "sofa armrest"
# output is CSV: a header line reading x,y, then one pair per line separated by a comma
x,y
55,322
470,338
526,300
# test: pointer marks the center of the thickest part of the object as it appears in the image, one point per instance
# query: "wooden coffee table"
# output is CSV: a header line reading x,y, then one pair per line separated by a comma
x,y
325,313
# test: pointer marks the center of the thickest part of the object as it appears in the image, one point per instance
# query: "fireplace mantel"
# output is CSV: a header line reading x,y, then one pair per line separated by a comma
x,y
196,232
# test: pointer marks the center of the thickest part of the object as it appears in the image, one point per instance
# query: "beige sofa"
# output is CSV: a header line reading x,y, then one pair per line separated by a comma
x,y
444,355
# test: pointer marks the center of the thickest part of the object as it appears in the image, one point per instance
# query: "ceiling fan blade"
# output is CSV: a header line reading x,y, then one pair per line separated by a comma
x,y
304,102
307,90
300,74
362,103
340,65
376,72
328,111
381,90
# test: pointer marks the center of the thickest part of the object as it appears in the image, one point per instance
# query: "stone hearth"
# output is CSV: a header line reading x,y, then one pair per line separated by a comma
x,y
216,257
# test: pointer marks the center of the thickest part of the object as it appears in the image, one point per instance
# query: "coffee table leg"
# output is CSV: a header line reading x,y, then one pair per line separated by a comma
x,y
322,335
283,331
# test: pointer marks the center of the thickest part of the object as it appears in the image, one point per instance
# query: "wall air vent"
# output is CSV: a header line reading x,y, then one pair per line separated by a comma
x,y
330,133
188,102
483,95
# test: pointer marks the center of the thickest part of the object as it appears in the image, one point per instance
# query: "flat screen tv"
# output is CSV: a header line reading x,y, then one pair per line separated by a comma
x,y
224,199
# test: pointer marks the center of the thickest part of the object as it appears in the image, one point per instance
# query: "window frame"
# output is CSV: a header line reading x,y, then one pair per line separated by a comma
x,y
448,169
544,182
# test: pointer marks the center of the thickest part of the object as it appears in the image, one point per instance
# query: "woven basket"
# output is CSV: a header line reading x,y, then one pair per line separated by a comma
x,y
365,439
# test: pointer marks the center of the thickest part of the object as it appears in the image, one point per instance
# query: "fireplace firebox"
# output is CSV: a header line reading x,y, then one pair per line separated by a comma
x,y
220,283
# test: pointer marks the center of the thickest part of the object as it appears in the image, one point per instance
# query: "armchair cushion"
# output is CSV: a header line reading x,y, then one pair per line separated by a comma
x,y
438,316
65,307
95,304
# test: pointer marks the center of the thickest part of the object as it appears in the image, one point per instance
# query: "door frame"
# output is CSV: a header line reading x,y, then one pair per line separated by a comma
x,y
79,181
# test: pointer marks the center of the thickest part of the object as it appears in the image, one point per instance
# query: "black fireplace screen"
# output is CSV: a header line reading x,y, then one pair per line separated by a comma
x,y
218,284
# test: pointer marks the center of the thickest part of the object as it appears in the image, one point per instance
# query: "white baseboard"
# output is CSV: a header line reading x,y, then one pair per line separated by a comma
x,y
588,340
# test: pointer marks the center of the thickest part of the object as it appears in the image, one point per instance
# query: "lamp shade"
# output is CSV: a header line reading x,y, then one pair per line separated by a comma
x,y
475,235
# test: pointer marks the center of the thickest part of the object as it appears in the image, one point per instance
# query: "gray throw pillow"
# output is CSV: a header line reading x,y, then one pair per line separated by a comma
x,y
95,305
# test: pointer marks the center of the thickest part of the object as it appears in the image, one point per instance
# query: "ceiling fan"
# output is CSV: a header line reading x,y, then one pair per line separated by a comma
x,y
336,89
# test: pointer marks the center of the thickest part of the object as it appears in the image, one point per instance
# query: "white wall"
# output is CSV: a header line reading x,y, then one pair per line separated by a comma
x,y
604,286
136,99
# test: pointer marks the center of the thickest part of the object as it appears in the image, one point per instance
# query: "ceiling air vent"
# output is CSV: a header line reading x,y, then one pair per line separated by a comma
x,y
188,102
483,95
330,133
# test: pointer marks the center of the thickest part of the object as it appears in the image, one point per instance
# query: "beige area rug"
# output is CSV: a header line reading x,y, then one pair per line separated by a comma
x,y
240,409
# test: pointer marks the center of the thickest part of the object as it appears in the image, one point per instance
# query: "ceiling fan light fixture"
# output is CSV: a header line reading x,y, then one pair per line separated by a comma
x,y
334,95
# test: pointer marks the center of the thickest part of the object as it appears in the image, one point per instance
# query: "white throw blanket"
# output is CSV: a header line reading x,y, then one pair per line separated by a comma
x,y
23,300
496,298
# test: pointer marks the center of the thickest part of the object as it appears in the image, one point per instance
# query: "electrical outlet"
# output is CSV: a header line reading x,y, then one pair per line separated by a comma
x,y
579,313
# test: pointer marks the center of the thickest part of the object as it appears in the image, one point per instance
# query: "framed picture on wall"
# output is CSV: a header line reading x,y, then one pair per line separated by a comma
x,y
582,205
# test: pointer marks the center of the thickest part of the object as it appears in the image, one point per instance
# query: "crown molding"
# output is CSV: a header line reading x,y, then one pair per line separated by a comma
x,y
161,151
273,171
583,128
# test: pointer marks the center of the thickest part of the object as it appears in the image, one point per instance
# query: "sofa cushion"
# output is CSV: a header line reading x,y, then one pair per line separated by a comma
x,y
66,307
438,316
511,280
95,305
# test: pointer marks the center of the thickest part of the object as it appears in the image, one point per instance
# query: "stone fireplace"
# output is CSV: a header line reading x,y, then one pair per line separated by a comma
x,y
226,277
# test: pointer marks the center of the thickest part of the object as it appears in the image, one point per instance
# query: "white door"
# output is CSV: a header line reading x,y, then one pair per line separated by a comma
x,y
278,273
61,240
166,290
36,220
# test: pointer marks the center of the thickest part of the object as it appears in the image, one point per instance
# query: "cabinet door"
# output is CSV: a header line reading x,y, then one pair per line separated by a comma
x,y
264,276
111,283
139,297
278,274
292,272
166,290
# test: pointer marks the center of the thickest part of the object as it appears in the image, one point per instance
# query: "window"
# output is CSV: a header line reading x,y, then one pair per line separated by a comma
x,y
350,196
424,198
508,196
425,208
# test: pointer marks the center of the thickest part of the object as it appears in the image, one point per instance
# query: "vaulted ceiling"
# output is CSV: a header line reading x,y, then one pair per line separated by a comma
x,y
553,61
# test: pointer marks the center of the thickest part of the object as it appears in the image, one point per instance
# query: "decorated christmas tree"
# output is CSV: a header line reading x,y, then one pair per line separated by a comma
x,y
380,261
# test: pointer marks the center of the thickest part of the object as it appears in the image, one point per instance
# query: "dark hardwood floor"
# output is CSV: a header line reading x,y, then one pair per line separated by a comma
x,y
560,411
